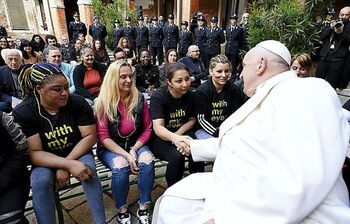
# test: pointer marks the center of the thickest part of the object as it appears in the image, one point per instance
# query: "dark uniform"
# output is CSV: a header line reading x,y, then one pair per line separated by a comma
x,y
98,31
234,41
200,39
215,37
117,34
156,38
171,35
75,28
130,33
185,40
142,36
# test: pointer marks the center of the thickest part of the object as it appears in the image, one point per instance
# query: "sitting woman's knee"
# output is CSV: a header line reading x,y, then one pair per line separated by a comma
x,y
146,157
120,162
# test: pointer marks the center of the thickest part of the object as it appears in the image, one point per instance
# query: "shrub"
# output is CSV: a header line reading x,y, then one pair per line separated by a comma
x,y
287,21
109,12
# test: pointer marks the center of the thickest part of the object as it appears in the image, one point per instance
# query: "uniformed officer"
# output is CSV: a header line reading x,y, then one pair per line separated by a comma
x,y
156,38
97,30
161,21
171,34
214,38
200,37
76,27
130,32
234,41
185,40
117,33
142,36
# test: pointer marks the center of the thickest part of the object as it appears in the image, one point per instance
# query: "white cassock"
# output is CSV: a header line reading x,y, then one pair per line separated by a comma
x,y
278,159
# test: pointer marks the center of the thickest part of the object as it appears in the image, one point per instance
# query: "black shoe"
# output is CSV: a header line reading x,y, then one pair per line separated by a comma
x,y
143,216
124,218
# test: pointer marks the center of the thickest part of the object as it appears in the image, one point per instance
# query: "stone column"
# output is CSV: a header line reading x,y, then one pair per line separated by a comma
x,y
58,18
86,14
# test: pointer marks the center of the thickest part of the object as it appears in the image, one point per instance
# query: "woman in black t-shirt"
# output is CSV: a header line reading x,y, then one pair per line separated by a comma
x,y
60,131
172,112
217,98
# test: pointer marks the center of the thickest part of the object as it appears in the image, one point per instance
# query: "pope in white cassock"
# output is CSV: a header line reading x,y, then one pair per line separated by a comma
x,y
278,159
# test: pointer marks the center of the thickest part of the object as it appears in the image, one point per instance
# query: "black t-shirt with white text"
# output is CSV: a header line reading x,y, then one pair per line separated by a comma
x,y
59,133
175,112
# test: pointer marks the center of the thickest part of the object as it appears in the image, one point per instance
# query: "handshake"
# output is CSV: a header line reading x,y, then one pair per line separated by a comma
x,y
182,143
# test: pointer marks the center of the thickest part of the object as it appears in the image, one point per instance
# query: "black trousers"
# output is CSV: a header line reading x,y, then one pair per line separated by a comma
x,y
165,150
234,59
157,52
13,201
331,71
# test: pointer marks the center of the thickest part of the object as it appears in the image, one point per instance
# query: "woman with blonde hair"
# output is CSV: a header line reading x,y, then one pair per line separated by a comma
x,y
302,65
123,128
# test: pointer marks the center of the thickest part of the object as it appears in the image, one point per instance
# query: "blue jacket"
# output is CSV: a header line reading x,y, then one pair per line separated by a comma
x,y
215,37
234,40
142,36
157,36
171,36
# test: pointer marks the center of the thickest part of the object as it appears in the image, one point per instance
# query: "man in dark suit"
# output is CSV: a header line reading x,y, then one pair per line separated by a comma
x,y
10,90
214,38
185,40
76,27
234,41
156,38
130,32
200,37
171,34
142,35
118,33
98,30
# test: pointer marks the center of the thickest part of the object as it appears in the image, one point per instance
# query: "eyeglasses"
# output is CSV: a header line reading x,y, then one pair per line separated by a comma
x,y
195,51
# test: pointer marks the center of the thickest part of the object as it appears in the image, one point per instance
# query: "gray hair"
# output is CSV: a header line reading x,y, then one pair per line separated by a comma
x,y
190,48
7,51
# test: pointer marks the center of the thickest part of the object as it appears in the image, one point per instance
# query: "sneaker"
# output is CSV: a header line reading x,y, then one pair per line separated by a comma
x,y
124,218
143,216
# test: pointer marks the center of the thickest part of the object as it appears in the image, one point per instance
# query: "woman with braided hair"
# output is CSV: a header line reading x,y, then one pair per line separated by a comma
x,y
60,130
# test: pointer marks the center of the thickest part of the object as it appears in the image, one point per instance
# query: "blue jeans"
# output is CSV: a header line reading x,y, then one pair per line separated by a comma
x,y
43,187
202,134
120,177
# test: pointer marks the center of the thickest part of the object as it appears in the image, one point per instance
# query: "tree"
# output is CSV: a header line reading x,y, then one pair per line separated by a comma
x,y
109,12
287,21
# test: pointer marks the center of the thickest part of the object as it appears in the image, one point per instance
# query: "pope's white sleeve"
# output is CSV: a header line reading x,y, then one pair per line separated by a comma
x,y
204,149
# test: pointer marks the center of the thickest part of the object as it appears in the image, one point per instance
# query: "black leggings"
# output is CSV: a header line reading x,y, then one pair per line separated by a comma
x,y
13,201
165,150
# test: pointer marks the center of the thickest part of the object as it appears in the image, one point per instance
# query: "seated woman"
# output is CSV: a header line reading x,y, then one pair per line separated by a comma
x,y
30,56
61,131
100,53
3,45
124,128
14,184
217,98
88,75
171,57
130,53
302,65
172,111
147,74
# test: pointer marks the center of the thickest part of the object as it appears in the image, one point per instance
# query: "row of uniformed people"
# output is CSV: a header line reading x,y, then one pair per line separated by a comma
x,y
60,130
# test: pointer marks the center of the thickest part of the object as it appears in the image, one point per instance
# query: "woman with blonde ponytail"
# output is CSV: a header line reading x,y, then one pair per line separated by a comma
x,y
123,130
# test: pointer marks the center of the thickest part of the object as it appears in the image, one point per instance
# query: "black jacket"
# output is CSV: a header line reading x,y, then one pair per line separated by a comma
x,y
156,36
335,46
185,41
78,77
215,37
142,36
234,40
74,29
13,153
7,85
171,36
98,32
130,33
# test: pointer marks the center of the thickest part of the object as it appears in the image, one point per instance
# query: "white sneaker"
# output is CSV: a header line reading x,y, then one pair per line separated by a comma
x,y
143,216
124,218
